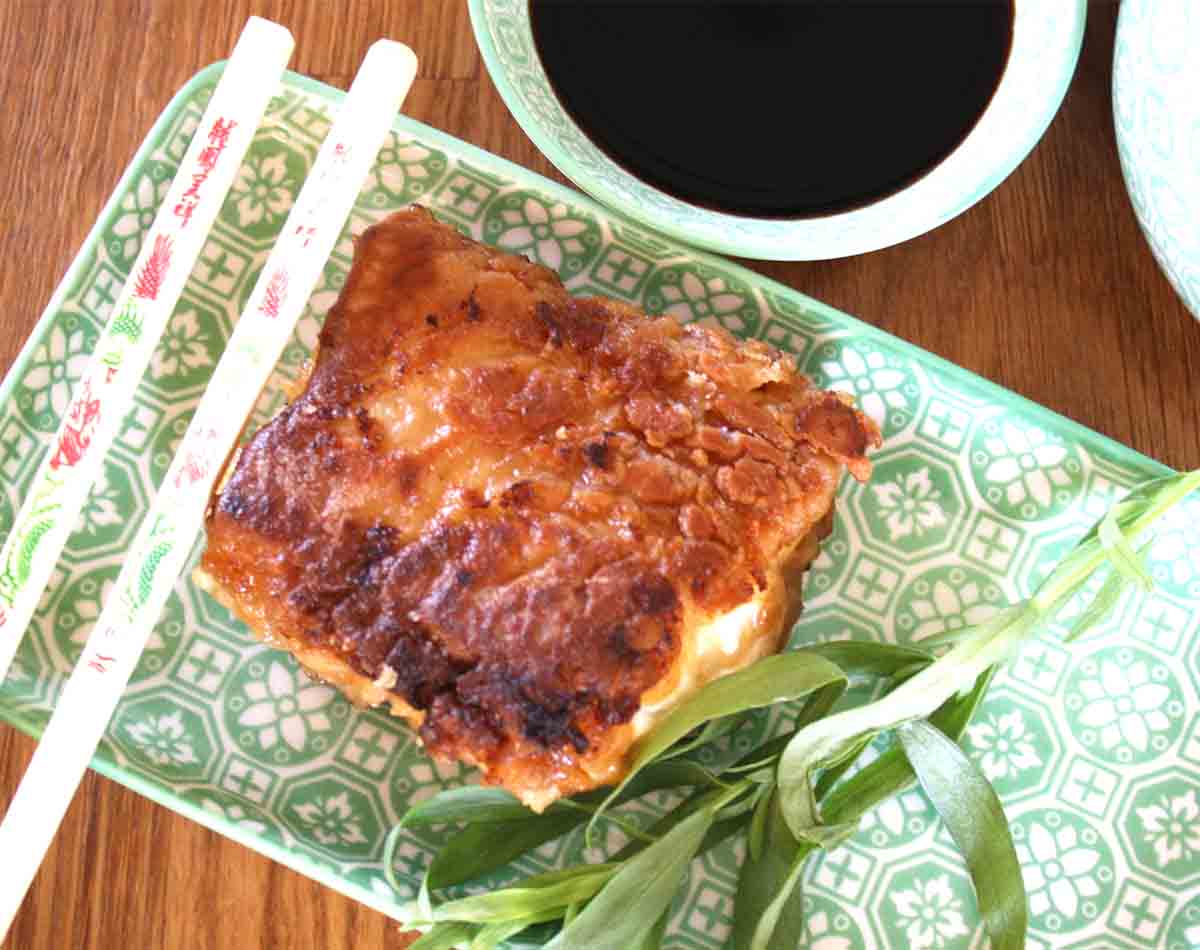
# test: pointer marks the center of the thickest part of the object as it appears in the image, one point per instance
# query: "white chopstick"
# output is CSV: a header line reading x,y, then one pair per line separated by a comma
x,y
161,547
140,313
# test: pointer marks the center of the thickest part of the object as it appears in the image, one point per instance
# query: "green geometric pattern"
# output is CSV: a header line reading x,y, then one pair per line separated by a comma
x,y
881,381
1094,748
694,292
277,715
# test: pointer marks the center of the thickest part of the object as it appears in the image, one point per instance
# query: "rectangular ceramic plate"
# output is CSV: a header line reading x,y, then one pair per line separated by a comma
x,y
1095,750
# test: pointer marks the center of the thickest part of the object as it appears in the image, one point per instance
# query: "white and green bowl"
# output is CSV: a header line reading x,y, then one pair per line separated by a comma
x,y
1047,35
1156,110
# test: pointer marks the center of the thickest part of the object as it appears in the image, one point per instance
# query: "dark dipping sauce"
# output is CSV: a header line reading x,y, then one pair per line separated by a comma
x,y
775,109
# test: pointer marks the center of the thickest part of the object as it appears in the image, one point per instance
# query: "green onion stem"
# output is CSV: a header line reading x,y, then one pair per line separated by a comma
x,y
630,829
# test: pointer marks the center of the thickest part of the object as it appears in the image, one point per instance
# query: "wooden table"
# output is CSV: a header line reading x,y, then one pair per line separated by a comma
x,y
1046,287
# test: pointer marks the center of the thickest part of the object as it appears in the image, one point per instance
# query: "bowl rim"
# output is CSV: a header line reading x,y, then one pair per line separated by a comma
x,y
793,245
1136,172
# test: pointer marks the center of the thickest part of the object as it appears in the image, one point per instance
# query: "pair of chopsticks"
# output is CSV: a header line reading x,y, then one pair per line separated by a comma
x,y
163,542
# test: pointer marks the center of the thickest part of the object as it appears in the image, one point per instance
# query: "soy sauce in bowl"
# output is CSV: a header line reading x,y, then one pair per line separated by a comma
x,y
775,109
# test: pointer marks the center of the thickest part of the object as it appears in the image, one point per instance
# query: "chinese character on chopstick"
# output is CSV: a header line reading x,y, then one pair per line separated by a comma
x,y
184,210
307,231
218,138
218,135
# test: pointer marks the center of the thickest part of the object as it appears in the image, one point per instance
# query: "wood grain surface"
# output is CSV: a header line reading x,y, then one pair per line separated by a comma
x,y
1046,287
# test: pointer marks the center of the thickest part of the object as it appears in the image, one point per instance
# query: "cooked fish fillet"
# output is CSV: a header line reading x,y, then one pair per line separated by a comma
x,y
529,523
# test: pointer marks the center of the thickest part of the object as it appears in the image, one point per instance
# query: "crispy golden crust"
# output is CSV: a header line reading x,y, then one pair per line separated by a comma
x,y
505,510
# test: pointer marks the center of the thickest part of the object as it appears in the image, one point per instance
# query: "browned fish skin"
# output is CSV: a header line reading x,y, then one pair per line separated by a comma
x,y
507,507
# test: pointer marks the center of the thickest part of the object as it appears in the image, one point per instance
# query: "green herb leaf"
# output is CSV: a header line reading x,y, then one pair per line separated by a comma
x,y
857,659
720,830
828,741
1120,552
944,638
669,774
531,898
1133,514
830,776
491,936
972,812
470,804
652,939
742,805
483,847
1101,605
445,937
951,718
760,757
757,836
711,731
639,893
877,660
480,849
535,937
1146,502
891,773
772,679
818,704
767,913
830,835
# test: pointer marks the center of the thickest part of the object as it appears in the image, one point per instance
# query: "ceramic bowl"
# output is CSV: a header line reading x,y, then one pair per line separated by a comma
x,y
1046,38
1156,110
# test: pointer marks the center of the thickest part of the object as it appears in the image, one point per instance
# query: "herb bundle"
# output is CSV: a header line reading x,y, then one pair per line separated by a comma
x,y
792,795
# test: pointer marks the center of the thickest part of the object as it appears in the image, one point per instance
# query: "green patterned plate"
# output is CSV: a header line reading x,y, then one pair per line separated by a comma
x,y
1096,751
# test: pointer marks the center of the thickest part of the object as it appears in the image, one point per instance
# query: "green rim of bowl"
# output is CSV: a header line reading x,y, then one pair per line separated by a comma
x,y
900,217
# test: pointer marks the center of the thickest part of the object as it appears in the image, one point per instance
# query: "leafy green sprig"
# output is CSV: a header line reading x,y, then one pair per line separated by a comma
x,y
792,795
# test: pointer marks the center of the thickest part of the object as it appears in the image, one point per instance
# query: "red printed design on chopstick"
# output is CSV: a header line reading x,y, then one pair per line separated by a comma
x,y
199,460
150,277
76,434
275,295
